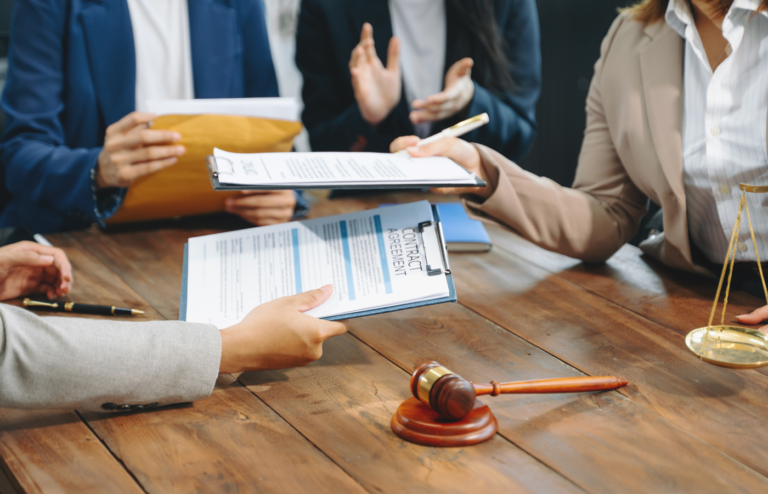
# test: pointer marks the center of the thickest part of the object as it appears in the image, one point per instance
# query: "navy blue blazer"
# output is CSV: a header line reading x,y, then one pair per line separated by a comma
x,y
72,73
328,30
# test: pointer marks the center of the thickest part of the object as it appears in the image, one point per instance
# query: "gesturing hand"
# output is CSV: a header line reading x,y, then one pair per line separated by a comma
x,y
276,335
458,92
132,150
263,207
377,89
27,268
755,317
460,151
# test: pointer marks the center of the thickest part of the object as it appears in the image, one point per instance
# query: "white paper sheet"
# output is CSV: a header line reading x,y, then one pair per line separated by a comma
x,y
373,259
336,169
272,108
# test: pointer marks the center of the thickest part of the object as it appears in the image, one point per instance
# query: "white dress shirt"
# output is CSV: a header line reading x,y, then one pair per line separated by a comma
x,y
163,53
421,27
724,130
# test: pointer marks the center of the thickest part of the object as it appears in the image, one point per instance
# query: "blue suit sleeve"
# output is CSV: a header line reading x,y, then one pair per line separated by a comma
x,y
512,127
259,70
38,166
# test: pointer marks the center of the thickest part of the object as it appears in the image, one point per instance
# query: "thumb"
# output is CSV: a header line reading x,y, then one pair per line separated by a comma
x,y
27,258
311,299
755,317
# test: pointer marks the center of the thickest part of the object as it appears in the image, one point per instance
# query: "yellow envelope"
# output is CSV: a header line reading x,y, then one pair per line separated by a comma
x,y
184,189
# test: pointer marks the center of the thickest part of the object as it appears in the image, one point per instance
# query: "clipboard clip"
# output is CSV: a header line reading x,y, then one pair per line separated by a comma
x,y
435,251
219,165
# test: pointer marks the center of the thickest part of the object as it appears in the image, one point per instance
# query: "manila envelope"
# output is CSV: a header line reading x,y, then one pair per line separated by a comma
x,y
184,188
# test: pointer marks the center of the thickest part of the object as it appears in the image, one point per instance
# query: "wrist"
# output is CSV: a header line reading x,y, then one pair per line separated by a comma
x,y
229,363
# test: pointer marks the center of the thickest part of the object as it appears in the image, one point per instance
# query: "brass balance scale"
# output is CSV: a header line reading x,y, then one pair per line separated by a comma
x,y
732,346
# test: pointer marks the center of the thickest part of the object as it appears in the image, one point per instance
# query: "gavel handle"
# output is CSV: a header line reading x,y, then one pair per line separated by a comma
x,y
561,385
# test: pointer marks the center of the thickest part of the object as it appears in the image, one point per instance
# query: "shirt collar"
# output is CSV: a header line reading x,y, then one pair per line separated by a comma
x,y
679,16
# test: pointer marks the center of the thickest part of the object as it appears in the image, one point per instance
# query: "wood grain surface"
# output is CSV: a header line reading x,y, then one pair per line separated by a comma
x,y
680,426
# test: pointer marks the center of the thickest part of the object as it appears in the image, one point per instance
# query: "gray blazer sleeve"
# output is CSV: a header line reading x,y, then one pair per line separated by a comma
x,y
57,362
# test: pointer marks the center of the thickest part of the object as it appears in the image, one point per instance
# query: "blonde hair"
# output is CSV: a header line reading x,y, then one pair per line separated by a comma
x,y
653,10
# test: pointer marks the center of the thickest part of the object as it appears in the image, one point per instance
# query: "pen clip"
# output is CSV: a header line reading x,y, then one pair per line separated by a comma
x,y
434,248
34,303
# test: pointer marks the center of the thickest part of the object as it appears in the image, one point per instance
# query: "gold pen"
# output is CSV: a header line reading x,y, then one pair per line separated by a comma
x,y
102,310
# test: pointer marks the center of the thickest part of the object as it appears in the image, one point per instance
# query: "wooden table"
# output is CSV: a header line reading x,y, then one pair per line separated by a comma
x,y
680,426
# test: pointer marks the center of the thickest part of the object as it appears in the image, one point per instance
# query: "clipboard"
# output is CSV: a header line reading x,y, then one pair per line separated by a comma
x,y
435,252
215,164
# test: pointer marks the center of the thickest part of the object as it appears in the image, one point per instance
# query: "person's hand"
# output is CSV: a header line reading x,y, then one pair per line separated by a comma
x,y
459,91
27,268
459,150
263,207
755,317
132,150
377,89
276,335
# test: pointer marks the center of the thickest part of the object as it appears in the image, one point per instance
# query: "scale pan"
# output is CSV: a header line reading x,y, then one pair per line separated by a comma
x,y
730,346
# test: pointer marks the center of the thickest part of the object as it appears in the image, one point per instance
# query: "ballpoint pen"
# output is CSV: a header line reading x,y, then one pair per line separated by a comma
x,y
102,310
457,130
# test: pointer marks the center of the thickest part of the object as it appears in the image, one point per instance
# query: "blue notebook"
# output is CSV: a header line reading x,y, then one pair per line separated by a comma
x,y
448,276
462,233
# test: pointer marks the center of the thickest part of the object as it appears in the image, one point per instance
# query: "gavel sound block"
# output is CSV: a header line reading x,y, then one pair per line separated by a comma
x,y
445,411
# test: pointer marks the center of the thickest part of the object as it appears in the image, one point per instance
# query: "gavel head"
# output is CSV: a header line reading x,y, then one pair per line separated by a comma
x,y
448,394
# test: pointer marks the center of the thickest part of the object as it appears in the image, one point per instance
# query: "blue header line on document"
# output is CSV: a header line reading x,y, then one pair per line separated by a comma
x,y
296,259
382,253
347,259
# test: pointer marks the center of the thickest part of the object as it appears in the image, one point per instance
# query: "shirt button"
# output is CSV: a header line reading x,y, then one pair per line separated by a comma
x,y
715,131
741,246
725,189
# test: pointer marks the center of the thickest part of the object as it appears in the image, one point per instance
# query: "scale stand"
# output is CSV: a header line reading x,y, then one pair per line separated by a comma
x,y
732,346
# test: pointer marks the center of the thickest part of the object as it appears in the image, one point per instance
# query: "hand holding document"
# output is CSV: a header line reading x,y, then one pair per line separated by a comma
x,y
233,171
377,261
245,125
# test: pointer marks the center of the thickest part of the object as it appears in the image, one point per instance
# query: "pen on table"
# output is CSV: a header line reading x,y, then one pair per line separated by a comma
x,y
457,130
102,310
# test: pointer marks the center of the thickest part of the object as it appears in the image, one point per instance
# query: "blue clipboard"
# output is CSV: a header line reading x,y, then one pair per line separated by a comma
x,y
448,276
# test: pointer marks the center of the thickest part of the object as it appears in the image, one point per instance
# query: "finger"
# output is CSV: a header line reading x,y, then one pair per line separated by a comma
x,y
755,317
764,329
332,329
420,116
357,55
130,121
370,52
403,142
153,153
29,258
142,138
263,215
447,190
59,259
310,299
440,147
393,54
261,201
463,67
130,173
366,32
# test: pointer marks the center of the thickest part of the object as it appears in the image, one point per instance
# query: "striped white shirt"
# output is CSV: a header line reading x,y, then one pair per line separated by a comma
x,y
724,130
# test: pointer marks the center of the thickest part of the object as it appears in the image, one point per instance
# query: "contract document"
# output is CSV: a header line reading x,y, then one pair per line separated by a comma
x,y
377,260
237,171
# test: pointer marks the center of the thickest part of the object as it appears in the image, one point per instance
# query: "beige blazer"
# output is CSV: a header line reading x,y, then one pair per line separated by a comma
x,y
632,149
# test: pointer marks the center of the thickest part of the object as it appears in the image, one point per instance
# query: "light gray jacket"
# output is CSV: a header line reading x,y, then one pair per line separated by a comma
x,y
57,362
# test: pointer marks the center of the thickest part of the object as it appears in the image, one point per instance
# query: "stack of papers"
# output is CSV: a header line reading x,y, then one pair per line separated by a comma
x,y
337,170
374,259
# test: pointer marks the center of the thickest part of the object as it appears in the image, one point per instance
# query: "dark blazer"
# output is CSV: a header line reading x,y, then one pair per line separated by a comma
x,y
328,30
72,73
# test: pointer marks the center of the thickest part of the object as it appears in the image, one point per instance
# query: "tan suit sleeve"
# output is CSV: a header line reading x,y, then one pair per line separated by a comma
x,y
589,221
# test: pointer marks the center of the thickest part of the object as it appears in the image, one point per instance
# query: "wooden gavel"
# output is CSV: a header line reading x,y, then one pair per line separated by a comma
x,y
453,397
